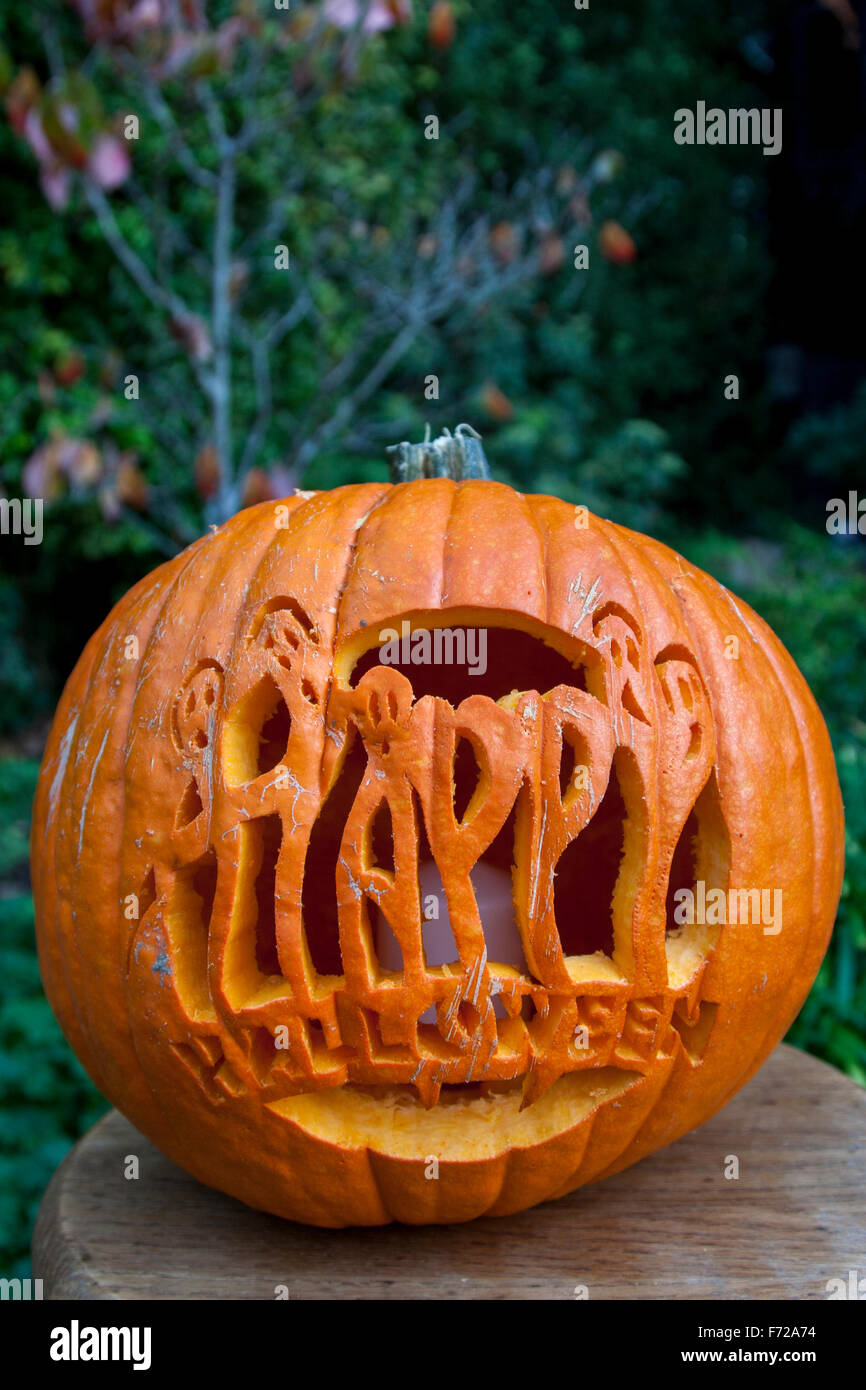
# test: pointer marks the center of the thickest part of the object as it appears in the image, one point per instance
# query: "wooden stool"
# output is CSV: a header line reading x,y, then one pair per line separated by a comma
x,y
672,1227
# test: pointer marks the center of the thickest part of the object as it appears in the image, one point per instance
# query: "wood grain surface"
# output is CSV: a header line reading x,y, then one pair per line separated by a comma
x,y
672,1227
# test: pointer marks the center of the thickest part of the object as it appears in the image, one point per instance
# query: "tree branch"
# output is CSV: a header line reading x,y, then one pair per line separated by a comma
x,y
461,277
138,271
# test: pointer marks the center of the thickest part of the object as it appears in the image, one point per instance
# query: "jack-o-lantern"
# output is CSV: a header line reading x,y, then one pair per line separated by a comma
x,y
422,851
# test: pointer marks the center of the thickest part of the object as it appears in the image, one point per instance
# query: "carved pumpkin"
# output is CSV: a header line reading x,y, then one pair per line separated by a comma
x,y
245,816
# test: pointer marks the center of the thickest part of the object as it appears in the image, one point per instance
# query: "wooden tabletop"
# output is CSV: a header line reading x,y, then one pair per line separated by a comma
x,y
672,1227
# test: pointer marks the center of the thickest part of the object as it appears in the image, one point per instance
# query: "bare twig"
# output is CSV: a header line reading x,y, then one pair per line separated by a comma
x,y
284,324
162,113
221,313
260,347
170,234
308,449
130,260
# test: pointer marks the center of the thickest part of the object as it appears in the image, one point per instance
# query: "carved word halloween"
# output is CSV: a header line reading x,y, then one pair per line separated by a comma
x,y
715,907
738,126
441,646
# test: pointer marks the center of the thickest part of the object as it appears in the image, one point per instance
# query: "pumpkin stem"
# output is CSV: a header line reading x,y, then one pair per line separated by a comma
x,y
458,455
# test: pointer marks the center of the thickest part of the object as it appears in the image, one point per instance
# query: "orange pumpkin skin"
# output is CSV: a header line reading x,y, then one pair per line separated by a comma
x,y
181,973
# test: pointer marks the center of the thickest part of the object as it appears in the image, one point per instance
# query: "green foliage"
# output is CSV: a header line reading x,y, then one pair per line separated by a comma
x,y
831,1023
830,447
22,695
811,589
17,785
46,1100
628,478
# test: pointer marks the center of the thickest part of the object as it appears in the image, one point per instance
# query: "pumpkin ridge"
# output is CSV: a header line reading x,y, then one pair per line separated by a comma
x,y
103,645
446,544
354,547
529,504
48,809
169,590
81,997
147,589
621,1159
515,1157
767,643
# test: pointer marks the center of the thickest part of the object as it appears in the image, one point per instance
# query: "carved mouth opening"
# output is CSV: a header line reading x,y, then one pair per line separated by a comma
x,y
459,659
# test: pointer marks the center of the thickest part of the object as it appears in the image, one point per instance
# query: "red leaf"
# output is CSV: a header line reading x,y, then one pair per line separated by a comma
x,y
24,92
257,488
380,14
551,254
107,20
441,26
504,242
616,244
207,472
130,483
192,332
496,403
70,368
